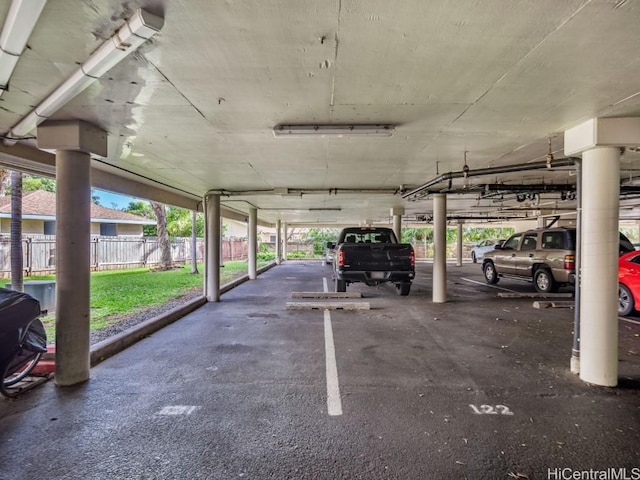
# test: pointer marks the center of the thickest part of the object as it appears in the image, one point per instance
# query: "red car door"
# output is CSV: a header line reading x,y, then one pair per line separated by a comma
x,y
629,274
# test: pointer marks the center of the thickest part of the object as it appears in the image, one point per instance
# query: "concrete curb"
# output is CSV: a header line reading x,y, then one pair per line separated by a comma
x,y
109,347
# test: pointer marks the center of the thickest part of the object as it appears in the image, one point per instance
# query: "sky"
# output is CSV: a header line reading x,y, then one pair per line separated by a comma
x,y
108,199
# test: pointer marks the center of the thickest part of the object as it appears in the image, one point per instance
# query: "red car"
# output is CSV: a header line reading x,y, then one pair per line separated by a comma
x,y
628,282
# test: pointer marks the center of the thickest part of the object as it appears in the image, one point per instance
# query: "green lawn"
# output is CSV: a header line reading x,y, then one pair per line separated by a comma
x,y
115,294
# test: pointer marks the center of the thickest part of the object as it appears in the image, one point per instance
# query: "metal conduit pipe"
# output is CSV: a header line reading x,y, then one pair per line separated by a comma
x,y
521,167
308,191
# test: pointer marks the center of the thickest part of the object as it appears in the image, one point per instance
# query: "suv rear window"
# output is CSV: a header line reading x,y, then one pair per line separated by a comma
x,y
556,240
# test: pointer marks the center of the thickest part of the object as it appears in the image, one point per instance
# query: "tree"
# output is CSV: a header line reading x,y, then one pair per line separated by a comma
x,y
194,243
31,183
17,275
144,210
319,238
4,182
95,198
179,222
140,208
163,236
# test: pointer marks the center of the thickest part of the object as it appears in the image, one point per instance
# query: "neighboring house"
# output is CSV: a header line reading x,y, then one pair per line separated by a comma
x,y
39,217
239,230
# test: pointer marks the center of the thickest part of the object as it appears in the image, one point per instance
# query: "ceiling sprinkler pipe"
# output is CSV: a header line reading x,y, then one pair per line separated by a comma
x,y
522,167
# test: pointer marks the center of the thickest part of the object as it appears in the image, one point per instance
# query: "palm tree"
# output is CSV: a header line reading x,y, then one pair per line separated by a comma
x,y
17,276
194,243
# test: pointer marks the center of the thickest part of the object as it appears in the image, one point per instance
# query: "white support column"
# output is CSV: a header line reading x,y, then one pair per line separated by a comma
x,y
459,245
253,242
397,213
284,241
599,140
212,238
440,248
278,242
599,262
74,141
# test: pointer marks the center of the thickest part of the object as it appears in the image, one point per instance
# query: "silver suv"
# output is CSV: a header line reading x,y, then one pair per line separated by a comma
x,y
545,256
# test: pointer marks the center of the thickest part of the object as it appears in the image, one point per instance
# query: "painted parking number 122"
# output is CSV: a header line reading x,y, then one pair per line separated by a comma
x,y
491,410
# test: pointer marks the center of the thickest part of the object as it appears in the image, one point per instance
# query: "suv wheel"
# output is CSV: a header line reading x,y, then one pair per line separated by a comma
x,y
625,300
544,282
490,274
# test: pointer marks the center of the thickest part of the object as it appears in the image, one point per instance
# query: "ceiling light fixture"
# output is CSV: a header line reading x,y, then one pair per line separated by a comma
x,y
378,130
137,30
20,22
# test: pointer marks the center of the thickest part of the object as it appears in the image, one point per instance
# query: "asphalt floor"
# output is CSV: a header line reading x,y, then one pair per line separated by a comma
x,y
477,388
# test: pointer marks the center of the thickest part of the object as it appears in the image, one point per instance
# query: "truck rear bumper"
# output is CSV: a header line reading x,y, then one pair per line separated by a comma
x,y
375,277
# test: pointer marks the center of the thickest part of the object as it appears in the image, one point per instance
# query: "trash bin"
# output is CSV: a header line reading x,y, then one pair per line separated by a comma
x,y
42,290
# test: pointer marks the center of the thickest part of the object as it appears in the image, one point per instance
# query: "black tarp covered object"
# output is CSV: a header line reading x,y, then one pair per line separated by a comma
x,y
17,311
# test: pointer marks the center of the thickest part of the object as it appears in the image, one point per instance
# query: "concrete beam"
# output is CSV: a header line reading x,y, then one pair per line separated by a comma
x,y
602,132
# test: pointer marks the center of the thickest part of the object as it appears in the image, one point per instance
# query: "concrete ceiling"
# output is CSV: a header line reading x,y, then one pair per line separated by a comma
x,y
194,108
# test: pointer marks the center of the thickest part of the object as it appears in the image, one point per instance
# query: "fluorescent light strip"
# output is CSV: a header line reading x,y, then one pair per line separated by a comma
x,y
20,22
379,130
138,29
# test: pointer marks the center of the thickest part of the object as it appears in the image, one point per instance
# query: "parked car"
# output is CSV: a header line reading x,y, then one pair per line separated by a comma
x,y
478,251
628,283
329,252
544,256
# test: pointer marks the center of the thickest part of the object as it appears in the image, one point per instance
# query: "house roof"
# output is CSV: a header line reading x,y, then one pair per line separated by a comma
x,y
42,204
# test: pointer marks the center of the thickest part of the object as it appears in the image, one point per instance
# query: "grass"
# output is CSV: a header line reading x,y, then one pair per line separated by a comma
x,y
116,294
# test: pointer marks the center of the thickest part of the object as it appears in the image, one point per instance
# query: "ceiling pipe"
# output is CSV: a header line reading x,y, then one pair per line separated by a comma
x,y
137,30
18,26
539,187
522,167
492,218
298,192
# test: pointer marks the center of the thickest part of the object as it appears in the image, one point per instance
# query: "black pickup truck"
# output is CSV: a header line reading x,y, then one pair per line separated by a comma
x,y
373,255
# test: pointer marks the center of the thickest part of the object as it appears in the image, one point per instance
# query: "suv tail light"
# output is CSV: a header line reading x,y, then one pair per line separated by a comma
x,y
340,258
412,259
569,262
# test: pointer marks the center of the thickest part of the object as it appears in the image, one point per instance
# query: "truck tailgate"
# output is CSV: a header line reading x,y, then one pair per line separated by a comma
x,y
376,257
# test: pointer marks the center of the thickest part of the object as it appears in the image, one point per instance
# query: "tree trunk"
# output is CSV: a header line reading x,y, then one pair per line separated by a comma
x,y
194,243
17,275
163,236
4,181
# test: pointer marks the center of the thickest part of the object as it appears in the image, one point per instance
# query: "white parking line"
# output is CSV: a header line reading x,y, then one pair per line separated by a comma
x,y
629,320
334,404
486,284
324,283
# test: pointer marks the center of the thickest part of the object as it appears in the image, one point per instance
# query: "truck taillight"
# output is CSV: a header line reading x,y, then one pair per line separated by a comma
x,y
569,262
340,258
412,259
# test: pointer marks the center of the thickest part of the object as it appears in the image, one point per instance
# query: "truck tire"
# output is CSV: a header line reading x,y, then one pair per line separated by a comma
x,y
490,274
544,282
341,285
403,288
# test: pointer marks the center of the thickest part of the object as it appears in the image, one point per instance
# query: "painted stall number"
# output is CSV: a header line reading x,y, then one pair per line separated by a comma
x,y
491,410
